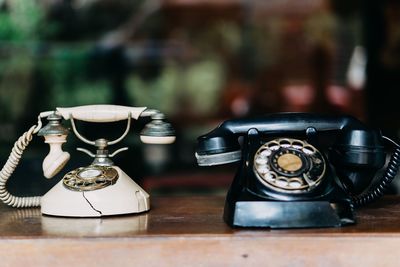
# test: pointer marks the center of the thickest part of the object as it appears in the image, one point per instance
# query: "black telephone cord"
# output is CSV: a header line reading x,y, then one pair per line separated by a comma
x,y
378,190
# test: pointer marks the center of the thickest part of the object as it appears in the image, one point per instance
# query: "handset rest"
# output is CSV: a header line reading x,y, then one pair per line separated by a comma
x,y
221,145
100,113
292,123
155,132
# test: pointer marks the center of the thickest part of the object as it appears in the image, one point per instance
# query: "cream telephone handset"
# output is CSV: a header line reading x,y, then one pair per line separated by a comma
x,y
99,189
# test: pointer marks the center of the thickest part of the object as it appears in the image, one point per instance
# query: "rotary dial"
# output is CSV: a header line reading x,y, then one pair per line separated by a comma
x,y
289,165
90,178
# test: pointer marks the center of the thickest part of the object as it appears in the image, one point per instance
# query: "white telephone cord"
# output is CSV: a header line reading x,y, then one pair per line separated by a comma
x,y
10,166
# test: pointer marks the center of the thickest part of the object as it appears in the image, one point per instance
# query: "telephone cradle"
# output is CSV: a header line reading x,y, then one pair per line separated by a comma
x,y
100,189
299,170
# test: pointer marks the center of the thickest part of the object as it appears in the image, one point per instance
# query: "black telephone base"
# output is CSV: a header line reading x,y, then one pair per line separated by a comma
x,y
288,214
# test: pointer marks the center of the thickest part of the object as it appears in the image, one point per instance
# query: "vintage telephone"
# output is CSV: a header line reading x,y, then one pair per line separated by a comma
x,y
96,190
299,170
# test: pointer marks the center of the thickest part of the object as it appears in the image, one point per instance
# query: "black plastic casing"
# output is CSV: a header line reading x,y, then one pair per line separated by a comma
x,y
353,152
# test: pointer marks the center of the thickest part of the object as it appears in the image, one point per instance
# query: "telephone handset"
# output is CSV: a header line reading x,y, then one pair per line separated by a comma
x,y
96,190
299,170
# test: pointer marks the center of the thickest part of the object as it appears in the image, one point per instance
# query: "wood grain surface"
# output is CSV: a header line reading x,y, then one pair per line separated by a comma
x,y
189,231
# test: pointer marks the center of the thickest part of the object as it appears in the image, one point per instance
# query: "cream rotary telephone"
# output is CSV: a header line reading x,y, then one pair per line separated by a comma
x,y
100,189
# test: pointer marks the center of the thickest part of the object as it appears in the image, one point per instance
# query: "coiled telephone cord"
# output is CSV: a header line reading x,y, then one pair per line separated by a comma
x,y
9,168
379,189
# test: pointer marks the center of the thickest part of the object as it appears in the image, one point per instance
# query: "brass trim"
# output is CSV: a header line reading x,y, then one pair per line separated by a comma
x,y
98,177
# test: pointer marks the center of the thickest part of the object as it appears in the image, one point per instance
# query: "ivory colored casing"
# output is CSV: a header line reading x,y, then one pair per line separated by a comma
x,y
124,197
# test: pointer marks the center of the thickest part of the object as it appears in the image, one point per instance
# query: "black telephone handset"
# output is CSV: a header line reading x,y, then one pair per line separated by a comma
x,y
298,169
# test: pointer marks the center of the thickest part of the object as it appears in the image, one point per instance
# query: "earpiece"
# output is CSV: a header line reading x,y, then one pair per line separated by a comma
x,y
162,140
158,131
218,147
357,156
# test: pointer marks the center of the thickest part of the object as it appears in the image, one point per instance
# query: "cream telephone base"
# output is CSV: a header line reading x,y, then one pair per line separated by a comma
x,y
100,189
124,197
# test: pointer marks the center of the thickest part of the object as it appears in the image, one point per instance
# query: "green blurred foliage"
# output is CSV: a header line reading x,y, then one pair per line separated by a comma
x,y
22,21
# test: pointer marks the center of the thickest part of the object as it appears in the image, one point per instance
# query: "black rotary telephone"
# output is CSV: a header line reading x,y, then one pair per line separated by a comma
x,y
299,170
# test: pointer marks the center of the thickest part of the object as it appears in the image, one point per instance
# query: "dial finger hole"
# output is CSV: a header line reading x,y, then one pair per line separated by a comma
x,y
261,160
100,181
263,169
273,145
295,183
70,181
88,183
297,144
308,150
265,153
281,182
285,143
270,176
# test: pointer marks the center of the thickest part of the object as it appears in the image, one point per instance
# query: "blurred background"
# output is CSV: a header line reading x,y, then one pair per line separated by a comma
x,y
199,62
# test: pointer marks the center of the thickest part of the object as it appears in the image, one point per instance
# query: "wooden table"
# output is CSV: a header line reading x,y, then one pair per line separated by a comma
x,y
189,231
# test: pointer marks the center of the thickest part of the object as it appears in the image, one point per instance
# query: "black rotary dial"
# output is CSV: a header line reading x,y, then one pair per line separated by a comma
x,y
289,165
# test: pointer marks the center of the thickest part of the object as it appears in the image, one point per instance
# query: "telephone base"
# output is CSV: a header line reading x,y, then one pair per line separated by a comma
x,y
288,214
123,197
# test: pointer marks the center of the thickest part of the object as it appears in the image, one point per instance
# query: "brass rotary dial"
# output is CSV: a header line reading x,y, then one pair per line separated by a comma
x,y
90,178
